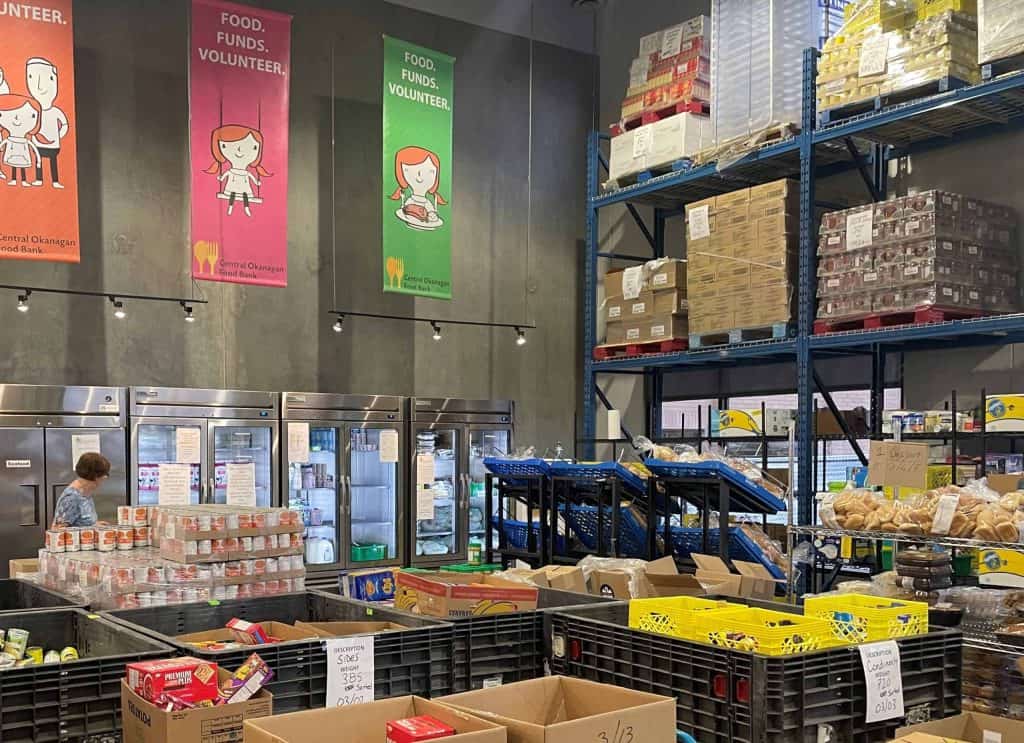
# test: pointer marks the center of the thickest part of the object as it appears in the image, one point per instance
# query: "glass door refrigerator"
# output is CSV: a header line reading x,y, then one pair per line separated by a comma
x,y
43,431
228,438
344,471
450,438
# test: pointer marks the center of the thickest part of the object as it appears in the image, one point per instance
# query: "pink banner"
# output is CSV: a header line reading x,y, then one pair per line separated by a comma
x,y
238,93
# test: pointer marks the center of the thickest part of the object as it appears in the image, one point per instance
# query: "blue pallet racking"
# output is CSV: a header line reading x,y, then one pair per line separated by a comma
x,y
817,151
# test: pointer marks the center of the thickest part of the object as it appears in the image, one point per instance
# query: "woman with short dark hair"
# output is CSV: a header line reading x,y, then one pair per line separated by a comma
x,y
75,506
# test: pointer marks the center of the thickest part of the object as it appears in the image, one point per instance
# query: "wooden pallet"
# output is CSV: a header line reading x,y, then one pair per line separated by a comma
x,y
649,117
643,176
856,108
774,331
918,316
628,350
992,70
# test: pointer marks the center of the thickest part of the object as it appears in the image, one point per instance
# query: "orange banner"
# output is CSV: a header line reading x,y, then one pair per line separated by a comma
x,y
38,128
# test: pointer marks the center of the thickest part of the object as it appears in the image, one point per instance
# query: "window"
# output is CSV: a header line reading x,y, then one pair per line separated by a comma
x,y
691,414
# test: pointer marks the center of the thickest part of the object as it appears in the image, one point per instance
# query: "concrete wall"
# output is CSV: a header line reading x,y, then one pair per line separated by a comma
x,y
132,118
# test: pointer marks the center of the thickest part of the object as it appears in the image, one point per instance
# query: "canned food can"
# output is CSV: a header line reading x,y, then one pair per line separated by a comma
x,y
16,643
219,593
106,538
296,540
218,546
245,567
174,596
52,656
145,599
156,575
259,544
230,592
87,538
35,653
72,540
54,540
298,584
273,586
204,547
245,520
273,541
188,523
231,544
159,598
259,566
258,589
286,585
141,537
244,591
125,537
273,518
140,516
140,574
271,565
68,653
124,515
259,520
246,544
219,522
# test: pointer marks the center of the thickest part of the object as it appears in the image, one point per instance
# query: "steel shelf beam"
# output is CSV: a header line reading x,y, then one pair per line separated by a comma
x,y
780,350
994,330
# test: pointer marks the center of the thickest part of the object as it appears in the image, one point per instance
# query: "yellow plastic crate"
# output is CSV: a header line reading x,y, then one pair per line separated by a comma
x,y
764,631
927,8
674,616
855,617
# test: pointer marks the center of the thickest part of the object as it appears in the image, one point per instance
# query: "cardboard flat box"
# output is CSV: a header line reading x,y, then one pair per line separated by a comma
x,y
667,327
560,709
671,275
347,629
445,594
664,579
669,301
144,722
364,723
771,208
613,283
280,630
780,189
713,323
23,566
630,310
1005,483
968,727
731,276
659,144
612,584
732,217
752,580
626,332
732,199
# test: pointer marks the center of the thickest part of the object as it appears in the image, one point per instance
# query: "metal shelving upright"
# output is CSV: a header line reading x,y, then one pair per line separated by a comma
x,y
884,134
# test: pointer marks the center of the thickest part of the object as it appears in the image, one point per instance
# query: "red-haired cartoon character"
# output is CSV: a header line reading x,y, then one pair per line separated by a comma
x,y
20,117
418,171
242,148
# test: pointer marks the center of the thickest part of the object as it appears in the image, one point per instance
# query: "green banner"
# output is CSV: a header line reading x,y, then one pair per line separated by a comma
x,y
417,165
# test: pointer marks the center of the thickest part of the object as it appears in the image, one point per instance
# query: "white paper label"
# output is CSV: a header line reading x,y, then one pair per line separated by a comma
x,y
700,224
991,736
913,225
175,484
643,141
639,308
871,276
491,681
650,44
19,464
82,443
832,283
882,679
298,443
424,469
657,331
659,279
637,76
187,446
858,229
109,407
944,513
632,282
632,334
425,503
388,446
911,270
873,56
350,668
834,240
241,487
615,311
671,41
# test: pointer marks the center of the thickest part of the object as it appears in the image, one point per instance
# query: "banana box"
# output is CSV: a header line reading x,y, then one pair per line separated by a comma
x,y
1004,413
1000,568
455,595
736,422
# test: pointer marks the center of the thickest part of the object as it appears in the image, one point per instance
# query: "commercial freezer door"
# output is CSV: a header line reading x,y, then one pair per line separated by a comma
x,y
22,498
63,443
439,495
234,445
315,489
374,486
157,441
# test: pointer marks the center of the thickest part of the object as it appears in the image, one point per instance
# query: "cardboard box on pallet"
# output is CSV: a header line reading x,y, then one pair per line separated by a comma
x,y
366,722
560,709
618,309
667,327
144,722
658,145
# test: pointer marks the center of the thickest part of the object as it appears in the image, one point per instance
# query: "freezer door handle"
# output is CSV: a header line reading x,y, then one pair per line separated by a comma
x,y
211,490
346,501
34,507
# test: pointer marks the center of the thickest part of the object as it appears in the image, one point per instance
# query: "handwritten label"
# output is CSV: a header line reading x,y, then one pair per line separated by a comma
x,y
82,443
174,488
883,680
425,503
643,141
897,464
874,54
425,469
350,667
632,282
671,41
187,445
241,490
388,446
859,226
298,443
700,225
621,733
650,44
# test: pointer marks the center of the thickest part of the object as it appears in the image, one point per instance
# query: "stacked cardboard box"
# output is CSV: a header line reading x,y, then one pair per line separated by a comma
x,y
930,248
741,257
659,144
646,304
672,67
1000,29
886,48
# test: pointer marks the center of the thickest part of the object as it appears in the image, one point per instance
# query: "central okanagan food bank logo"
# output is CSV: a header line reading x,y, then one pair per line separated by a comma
x,y
206,251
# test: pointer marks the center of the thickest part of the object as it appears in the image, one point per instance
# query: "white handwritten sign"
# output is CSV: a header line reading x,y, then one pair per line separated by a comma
x,y
175,484
859,229
349,670
899,465
83,443
883,680
298,443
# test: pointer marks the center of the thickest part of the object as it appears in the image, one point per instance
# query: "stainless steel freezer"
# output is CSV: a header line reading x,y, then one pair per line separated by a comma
x,y
219,433
450,438
344,468
42,429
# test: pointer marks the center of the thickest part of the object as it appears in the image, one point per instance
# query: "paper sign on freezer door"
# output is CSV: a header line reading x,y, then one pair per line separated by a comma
x,y
82,443
241,490
187,445
388,446
175,484
298,443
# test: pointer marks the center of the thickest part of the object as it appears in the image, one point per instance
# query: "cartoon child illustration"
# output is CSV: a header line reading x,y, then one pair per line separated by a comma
x,y
41,78
4,87
20,118
242,148
418,170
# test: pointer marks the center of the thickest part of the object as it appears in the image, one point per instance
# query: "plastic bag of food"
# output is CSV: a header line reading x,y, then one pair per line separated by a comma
x,y
636,570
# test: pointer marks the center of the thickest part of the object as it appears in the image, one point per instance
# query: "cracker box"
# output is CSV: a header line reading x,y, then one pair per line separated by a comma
x,y
188,679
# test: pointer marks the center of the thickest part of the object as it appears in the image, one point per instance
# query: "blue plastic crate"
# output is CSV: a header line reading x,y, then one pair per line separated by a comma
x,y
582,520
517,467
516,534
631,482
753,498
741,547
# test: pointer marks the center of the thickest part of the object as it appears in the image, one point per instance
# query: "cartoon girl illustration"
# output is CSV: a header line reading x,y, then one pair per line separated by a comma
x,y
418,171
20,117
242,148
